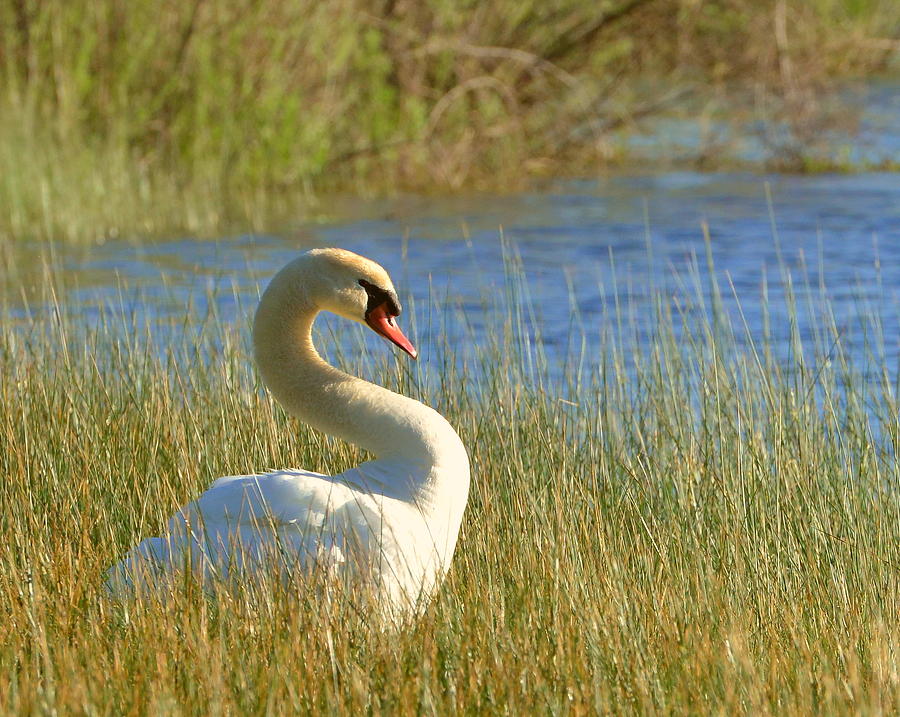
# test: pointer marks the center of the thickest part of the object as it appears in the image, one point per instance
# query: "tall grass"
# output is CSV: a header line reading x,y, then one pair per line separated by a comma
x,y
130,118
693,526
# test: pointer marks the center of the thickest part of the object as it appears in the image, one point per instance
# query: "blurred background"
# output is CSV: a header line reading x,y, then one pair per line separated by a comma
x,y
144,118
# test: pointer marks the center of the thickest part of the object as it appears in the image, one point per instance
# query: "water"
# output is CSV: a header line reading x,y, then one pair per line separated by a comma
x,y
583,246
867,139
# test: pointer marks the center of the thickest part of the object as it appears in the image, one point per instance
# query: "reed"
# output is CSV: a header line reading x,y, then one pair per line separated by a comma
x,y
699,525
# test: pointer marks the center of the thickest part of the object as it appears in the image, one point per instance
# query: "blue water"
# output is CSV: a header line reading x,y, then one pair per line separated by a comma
x,y
583,246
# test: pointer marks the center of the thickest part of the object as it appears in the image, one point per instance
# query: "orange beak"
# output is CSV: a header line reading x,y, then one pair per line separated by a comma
x,y
381,322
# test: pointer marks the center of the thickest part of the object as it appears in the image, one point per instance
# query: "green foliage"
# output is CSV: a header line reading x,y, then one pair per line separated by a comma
x,y
225,102
693,528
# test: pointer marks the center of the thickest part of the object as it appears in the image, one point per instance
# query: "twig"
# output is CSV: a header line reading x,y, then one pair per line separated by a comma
x,y
585,34
523,57
470,85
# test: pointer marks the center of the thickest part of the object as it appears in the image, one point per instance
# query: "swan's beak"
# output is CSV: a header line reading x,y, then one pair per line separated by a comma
x,y
381,322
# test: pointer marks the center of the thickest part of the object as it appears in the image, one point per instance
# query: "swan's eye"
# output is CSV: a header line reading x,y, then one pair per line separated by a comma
x,y
379,296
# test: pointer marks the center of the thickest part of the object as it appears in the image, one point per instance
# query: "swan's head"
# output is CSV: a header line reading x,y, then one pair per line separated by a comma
x,y
358,289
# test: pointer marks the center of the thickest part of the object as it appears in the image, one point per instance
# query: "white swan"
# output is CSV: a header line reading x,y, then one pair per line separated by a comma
x,y
390,524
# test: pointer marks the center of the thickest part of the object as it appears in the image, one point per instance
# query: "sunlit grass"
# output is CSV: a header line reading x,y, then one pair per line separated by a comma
x,y
692,527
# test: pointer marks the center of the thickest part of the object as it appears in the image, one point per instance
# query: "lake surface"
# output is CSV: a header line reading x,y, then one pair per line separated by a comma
x,y
869,113
582,245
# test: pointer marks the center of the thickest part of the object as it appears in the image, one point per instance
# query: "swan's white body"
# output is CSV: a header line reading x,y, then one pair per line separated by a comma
x,y
389,525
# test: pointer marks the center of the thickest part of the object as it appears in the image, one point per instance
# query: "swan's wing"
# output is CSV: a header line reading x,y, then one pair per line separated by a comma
x,y
279,523
298,518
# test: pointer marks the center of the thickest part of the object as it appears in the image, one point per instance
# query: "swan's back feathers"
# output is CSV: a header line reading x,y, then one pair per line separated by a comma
x,y
295,521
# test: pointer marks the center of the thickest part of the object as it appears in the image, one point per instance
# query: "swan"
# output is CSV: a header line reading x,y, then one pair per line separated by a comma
x,y
389,525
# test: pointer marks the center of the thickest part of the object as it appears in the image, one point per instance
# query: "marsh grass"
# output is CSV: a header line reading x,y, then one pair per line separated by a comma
x,y
693,526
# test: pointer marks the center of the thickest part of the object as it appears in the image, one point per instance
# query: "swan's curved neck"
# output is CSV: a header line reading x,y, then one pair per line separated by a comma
x,y
391,426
